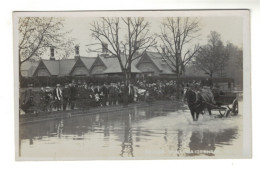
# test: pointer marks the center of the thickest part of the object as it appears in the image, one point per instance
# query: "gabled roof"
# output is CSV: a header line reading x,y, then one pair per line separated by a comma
x,y
98,61
66,66
159,62
88,61
53,66
29,66
113,65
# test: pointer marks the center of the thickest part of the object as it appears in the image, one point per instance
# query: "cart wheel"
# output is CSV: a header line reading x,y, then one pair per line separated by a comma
x,y
235,107
221,115
227,113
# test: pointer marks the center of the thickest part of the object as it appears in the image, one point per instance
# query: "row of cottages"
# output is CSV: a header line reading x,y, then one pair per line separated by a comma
x,y
149,64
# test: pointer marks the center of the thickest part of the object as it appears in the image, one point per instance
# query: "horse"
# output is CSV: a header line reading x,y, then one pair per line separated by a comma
x,y
196,104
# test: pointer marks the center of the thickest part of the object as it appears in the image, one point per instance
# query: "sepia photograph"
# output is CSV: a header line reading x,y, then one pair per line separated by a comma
x,y
131,85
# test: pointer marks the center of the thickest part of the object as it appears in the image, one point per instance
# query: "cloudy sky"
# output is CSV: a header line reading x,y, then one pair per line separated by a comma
x,y
230,28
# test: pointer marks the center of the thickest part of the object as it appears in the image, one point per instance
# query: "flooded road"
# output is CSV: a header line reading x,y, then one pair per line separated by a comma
x,y
151,132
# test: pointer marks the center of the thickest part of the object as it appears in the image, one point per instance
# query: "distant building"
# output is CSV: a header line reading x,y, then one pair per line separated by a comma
x,y
149,64
152,64
106,65
28,68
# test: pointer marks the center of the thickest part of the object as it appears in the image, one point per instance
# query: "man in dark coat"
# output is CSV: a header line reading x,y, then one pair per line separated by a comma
x,y
104,94
57,93
85,100
120,92
98,97
27,99
66,92
111,94
91,93
73,95
130,93
49,100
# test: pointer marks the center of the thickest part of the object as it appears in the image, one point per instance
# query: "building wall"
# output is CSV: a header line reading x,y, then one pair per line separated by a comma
x,y
80,71
24,73
99,69
148,68
42,72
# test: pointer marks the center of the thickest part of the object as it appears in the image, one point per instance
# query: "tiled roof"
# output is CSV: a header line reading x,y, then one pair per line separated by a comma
x,y
66,65
29,66
158,61
113,65
53,66
88,61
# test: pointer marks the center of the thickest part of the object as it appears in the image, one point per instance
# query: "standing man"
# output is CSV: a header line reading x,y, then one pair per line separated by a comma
x,y
111,94
120,92
91,93
130,93
48,99
66,96
27,99
57,93
117,91
104,94
42,99
73,95
97,95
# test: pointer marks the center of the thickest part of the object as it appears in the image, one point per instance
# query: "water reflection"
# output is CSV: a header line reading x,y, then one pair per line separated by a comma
x,y
59,128
127,145
152,131
202,143
180,138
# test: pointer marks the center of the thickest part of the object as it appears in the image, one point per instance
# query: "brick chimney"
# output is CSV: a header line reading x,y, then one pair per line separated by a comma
x,y
104,47
52,53
77,52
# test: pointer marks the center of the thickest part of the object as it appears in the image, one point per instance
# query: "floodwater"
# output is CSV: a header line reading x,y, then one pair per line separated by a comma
x,y
151,132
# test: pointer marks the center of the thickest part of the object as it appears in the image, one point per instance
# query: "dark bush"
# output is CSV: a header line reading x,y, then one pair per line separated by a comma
x,y
53,80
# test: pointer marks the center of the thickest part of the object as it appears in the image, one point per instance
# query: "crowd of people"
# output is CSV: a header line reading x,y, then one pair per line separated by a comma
x,y
77,95
83,95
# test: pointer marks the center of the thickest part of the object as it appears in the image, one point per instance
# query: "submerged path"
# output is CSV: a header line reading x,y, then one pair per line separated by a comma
x,y
43,116
161,130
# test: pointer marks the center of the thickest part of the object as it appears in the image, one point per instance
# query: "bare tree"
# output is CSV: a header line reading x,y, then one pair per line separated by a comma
x,y
212,58
176,46
127,39
234,64
38,33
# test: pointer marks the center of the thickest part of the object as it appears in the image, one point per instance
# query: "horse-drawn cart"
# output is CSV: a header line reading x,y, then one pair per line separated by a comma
x,y
200,99
226,101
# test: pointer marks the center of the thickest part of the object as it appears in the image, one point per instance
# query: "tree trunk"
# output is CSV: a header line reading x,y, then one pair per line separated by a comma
x,y
178,87
20,72
126,83
19,83
177,83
